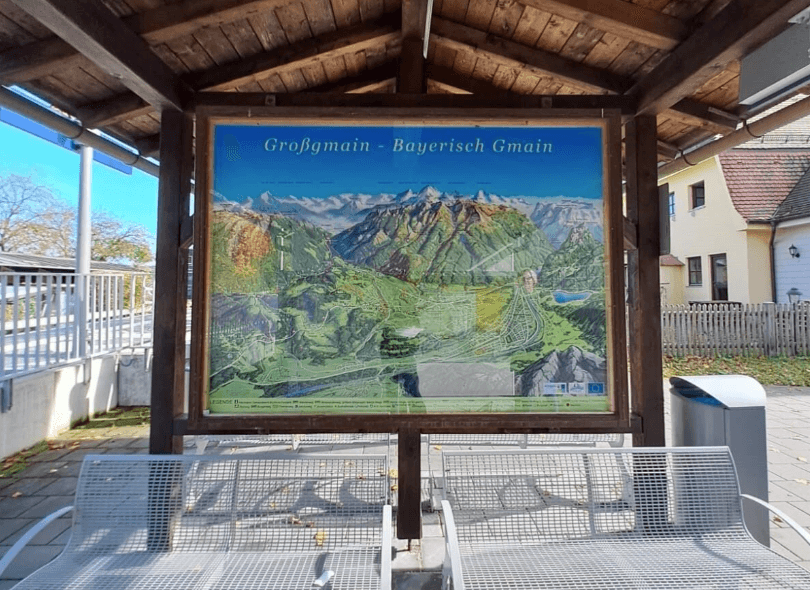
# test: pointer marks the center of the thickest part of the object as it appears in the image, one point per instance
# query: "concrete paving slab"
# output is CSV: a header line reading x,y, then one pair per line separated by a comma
x,y
63,486
30,559
12,528
48,505
46,536
27,486
14,507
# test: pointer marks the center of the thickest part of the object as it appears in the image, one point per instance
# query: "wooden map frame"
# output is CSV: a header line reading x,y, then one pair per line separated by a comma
x,y
616,420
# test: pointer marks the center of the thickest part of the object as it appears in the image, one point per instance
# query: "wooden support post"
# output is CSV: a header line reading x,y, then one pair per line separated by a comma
x,y
409,485
171,280
644,295
411,78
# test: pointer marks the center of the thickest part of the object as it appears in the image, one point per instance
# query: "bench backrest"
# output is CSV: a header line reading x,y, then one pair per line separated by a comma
x,y
228,503
524,440
555,495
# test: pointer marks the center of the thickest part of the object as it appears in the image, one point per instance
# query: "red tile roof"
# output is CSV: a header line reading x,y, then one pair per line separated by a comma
x,y
759,180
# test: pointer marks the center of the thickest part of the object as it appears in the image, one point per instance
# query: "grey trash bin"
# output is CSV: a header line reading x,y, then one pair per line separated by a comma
x,y
727,410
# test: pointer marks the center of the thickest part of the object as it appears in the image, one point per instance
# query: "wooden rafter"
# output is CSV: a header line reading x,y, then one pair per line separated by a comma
x,y
51,55
261,66
103,38
715,119
292,57
504,51
621,18
740,27
368,81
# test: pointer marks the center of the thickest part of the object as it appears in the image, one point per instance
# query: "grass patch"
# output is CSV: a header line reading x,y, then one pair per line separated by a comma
x,y
116,418
19,461
767,370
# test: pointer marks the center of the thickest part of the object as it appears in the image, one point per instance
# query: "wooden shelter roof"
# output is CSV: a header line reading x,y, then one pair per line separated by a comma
x,y
114,64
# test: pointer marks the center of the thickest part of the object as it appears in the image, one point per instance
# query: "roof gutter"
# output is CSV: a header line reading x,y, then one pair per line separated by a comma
x,y
748,131
74,131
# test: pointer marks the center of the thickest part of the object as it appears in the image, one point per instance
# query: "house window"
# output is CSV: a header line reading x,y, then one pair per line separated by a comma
x,y
695,271
697,194
719,277
672,204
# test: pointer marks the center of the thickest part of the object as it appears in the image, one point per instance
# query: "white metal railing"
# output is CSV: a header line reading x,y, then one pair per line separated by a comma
x,y
51,319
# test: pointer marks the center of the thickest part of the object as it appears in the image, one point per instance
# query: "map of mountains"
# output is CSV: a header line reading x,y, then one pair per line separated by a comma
x,y
445,241
555,216
578,265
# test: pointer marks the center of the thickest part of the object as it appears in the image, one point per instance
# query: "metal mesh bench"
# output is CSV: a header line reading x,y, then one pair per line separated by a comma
x,y
527,440
218,522
604,518
296,440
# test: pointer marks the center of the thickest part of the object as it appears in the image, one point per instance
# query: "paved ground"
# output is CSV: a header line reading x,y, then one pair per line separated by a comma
x,y
48,482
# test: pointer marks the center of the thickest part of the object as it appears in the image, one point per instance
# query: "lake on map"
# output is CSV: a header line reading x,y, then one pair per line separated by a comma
x,y
564,297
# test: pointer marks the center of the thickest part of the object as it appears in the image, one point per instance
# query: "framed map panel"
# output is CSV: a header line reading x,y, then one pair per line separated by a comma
x,y
405,268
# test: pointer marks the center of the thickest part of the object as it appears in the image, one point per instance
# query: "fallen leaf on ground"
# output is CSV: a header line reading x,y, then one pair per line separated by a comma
x,y
802,481
320,537
393,473
802,459
16,494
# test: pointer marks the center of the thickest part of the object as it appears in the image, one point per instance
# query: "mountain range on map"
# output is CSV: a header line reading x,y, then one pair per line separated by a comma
x,y
555,215
356,288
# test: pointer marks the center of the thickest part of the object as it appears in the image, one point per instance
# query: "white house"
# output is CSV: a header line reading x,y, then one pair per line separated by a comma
x,y
724,233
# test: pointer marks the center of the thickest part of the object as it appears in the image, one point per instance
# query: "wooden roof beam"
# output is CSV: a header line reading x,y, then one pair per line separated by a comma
x,y
503,51
452,80
739,28
621,18
47,56
415,25
292,57
104,39
260,66
368,81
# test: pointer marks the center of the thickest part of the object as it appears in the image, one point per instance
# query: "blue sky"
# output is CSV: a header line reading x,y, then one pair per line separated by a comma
x,y
292,160
131,198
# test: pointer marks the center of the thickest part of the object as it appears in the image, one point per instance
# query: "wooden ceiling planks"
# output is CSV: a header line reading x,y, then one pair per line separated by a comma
x,y
243,38
505,19
479,14
268,30
347,13
530,26
540,46
27,27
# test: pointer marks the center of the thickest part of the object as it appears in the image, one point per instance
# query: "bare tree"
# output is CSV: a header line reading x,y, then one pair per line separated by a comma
x,y
115,240
34,221
28,214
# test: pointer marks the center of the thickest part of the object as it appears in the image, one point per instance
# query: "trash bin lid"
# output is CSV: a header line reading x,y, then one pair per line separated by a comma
x,y
732,391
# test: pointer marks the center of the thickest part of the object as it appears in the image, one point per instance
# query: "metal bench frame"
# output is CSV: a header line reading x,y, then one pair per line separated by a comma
x,y
226,522
295,440
604,518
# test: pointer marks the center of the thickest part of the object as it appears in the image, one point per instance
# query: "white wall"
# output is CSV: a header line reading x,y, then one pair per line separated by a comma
x,y
716,228
47,403
792,272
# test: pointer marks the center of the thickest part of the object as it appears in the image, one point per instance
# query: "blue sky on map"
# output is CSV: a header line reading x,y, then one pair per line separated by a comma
x,y
132,198
250,160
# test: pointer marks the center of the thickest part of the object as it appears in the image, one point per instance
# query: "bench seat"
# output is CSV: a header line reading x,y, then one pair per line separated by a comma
x,y
226,523
603,518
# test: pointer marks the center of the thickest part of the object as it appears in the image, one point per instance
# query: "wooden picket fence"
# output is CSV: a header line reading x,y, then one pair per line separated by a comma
x,y
764,329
